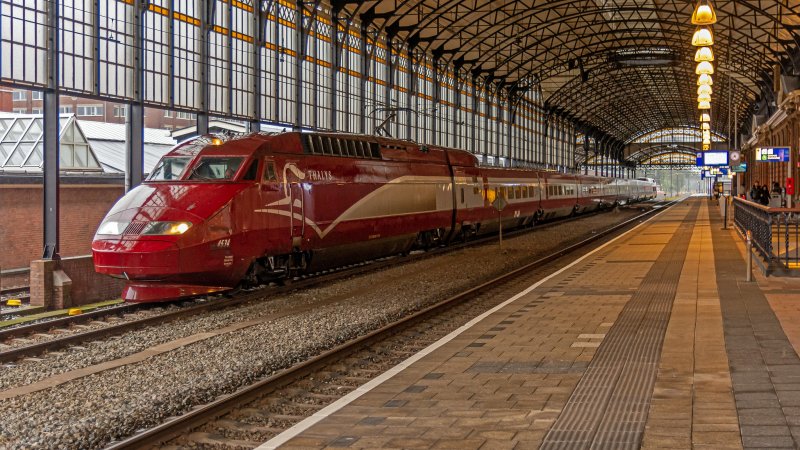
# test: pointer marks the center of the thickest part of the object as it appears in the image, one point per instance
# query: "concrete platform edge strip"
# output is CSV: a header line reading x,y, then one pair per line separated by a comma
x,y
304,425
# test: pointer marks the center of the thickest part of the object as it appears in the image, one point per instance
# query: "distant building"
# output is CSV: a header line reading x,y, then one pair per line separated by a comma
x,y
31,102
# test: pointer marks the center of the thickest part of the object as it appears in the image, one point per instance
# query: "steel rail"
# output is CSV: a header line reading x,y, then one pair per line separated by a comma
x,y
312,280
200,415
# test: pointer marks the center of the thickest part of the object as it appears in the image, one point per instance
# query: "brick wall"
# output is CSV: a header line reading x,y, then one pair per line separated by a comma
x,y
87,285
69,282
82,208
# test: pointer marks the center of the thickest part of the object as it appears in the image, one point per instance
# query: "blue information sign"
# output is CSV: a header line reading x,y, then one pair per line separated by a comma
x,y
773,154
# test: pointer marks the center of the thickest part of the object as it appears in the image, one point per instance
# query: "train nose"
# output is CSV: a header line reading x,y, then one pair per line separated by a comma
x,y
136,259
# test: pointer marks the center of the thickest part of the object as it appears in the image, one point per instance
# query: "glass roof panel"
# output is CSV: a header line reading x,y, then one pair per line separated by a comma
x,y
16,131
34,132
35,160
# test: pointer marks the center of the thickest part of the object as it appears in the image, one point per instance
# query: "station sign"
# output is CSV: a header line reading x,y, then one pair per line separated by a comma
x,y
773,154
712,158
742,167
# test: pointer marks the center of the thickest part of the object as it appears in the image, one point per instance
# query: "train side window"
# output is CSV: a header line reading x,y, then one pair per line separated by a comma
x,y
326,145
524,191
518,191
250,175
269,172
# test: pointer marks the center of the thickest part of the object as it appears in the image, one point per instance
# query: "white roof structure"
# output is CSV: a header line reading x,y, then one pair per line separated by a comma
x,y
108,142
86,146
21,145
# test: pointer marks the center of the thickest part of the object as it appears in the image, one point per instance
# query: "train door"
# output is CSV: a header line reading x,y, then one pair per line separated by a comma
x,y
273,217
297,207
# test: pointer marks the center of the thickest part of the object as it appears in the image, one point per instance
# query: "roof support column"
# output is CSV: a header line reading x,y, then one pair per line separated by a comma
x,y
202,116
435,128
134,122
473,117
546,140
362,81
50,163
134,143
254,124
300,37
387,101
585,153
411,94
336,63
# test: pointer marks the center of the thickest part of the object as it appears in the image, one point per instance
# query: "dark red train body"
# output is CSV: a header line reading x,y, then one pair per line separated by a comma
x,y
218,212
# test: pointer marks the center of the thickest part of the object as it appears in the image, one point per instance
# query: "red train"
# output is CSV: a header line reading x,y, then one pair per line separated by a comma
x,y
219,211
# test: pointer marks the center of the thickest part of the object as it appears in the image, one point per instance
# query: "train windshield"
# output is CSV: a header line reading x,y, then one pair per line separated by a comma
x,y
169,168
216,168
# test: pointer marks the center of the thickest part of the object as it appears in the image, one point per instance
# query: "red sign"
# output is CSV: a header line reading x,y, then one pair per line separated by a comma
x,y
790,186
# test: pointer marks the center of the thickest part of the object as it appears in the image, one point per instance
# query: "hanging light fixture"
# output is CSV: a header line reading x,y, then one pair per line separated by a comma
x,y
707,142
704,54
704,89
704,68
703,98
705,117
706,80
704,105
706,135
706,147
703,37
704,13
705,126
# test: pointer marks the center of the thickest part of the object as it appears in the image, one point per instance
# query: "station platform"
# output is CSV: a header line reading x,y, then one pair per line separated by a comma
x,y
653,340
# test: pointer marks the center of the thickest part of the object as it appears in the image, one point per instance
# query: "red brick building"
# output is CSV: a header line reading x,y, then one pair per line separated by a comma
x,y
30,102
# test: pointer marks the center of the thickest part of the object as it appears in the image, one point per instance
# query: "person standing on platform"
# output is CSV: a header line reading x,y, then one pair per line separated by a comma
x,y
755,191
764,195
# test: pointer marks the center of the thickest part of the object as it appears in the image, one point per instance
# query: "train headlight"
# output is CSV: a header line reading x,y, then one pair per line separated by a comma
x,y
112,228
166,228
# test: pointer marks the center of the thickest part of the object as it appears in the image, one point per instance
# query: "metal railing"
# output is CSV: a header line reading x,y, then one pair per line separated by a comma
x,y
775,234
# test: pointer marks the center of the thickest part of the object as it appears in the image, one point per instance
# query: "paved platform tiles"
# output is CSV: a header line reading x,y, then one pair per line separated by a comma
x,y
652,341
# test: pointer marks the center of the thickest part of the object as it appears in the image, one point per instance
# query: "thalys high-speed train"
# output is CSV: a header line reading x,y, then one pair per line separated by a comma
x,y
216,212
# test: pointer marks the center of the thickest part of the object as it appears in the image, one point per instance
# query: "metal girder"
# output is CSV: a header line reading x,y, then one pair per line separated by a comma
x,y
568,48
52,145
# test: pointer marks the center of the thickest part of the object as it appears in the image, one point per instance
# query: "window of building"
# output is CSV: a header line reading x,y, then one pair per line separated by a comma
x,y
185,115
65,109
37,95
167,113
19,95
20,110
36,110
120,111
90,110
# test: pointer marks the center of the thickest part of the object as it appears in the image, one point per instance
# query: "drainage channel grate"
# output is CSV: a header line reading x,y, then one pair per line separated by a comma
x,y
608,408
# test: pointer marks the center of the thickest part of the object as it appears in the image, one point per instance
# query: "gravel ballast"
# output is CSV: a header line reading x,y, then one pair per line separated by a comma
x,y
89,412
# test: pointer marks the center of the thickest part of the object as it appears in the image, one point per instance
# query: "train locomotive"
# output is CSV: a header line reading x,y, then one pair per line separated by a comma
x,y
219,212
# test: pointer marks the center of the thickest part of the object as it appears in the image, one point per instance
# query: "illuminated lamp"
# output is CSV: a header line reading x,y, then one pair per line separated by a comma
x,y
705,80
704,68
703,37
216,141
704,14
705,126
704,89
706,147
706,141
703,98
706,135
704,54
704,105
705,117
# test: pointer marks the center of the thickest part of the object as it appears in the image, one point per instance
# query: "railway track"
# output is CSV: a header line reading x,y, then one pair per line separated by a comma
x,y
263,409
62,332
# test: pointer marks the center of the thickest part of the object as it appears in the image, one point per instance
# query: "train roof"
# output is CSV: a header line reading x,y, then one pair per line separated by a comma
x,y
367,147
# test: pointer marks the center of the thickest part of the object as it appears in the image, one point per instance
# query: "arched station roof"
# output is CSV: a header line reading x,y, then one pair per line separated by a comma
x,y
621,67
